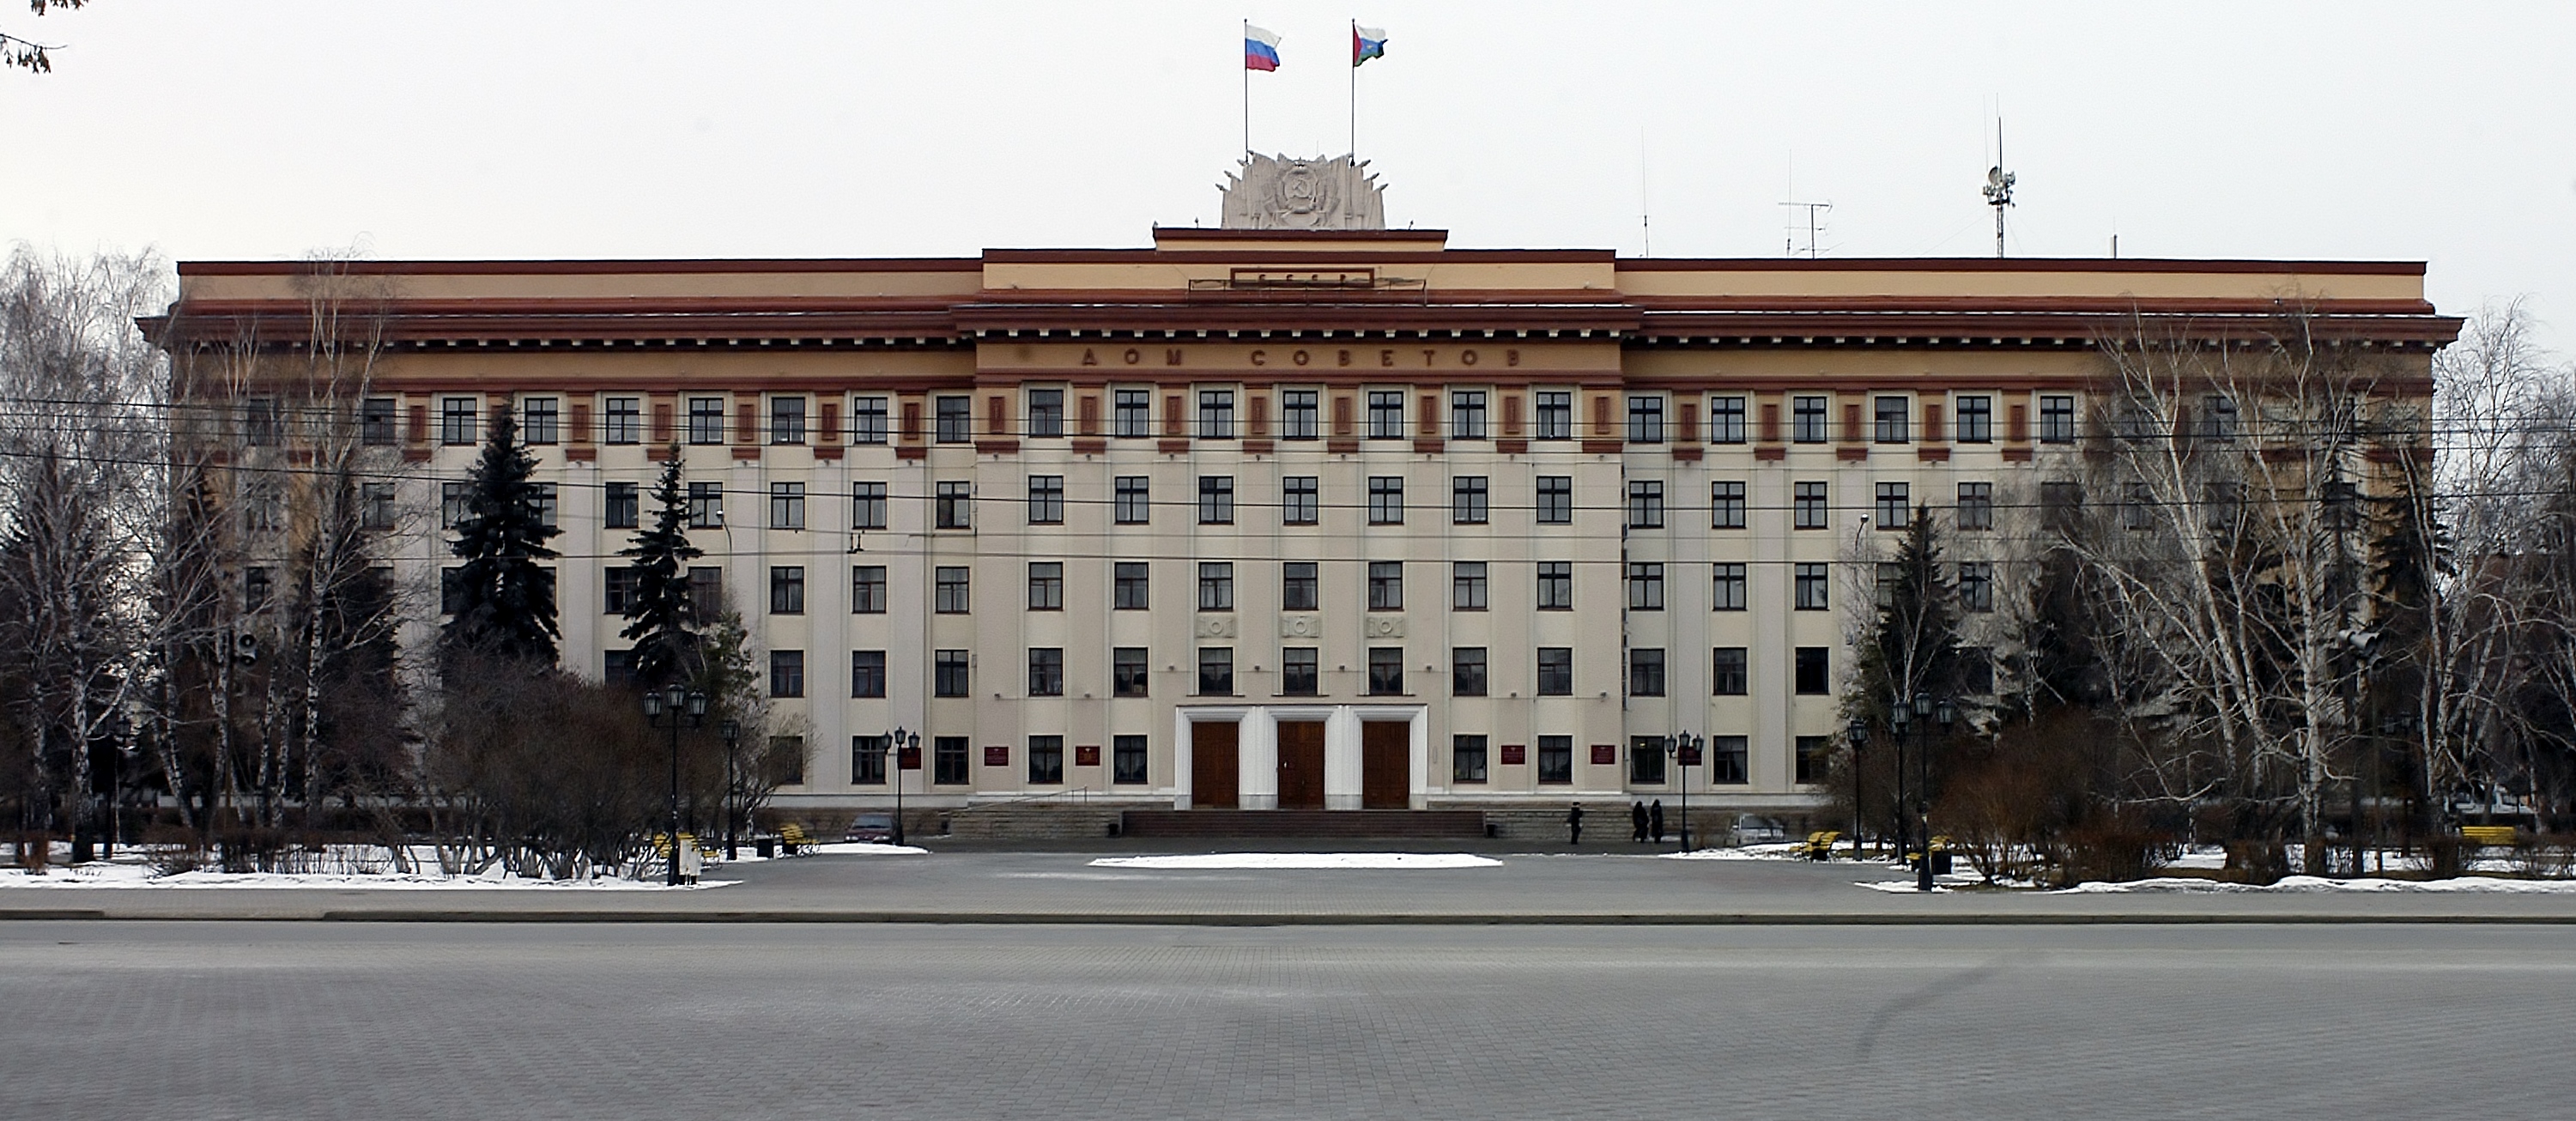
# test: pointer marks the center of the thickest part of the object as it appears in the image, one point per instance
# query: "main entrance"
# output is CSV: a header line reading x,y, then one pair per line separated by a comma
x,y
1301,764
1386,764
1215,767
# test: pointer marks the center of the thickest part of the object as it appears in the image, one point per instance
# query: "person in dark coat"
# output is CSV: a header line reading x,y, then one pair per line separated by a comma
x,y
1655,820
1574,824
1637,822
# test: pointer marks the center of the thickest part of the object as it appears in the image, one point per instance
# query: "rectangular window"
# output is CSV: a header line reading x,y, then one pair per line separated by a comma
x,y
788,754
1976,419
1890,417
1467,414
1467,500
1127,671
1645,586
2056,420
2061,505
786,505
1645,418
1556,671
624,421
1467,586
263,506
619,582
1046,671
451,589
376,421
1645,504
1885,582
1299,503
1386,414
1730,760
1131,413
1811,677
955,505
2218,417
1297,672
1728,675
1555,415
706,505
1807,504
786,673
1386,500
1046,585
1726,420
867,505
949,760
1646,760
1046,500
1815,757
1127,760
1893,509
1132,500
949,585
787,420
456,420
1386,586
1216,671
1976,506
1556,585
624,508
2139,511
868,760
1046,413
1976,585
1556,500
1299,587
1807,415
1976,671
1556,759
1300,414
1467,671
955,420
706,592
1726,504
867,673
948,673
1726,588
1216,500
1645,672
1386,671
868,420
1216,414
1810,587
375,505
868,589
549,506
1128,586
1046,760
1467,759
1216,585
787,590
706,420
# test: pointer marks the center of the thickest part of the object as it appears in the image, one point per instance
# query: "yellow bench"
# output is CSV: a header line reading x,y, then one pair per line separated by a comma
x,y
2489,834
1820,844
793,837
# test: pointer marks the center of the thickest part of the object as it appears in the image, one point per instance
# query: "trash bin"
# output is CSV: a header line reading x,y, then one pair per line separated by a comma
x,y
766,846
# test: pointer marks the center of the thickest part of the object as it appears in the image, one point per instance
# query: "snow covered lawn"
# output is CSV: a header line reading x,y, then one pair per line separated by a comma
x,y
123,875
1375,860
1786,850
2488,884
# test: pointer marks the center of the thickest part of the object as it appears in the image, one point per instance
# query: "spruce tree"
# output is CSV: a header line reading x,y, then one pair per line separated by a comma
x,y
505,598
658,609
1913,645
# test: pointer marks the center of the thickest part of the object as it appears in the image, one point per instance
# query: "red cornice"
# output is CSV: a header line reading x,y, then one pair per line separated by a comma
x,y
585,268
2012,264
1296,257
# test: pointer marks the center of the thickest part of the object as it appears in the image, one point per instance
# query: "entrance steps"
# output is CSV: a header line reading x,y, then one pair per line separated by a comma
x,y
1303,823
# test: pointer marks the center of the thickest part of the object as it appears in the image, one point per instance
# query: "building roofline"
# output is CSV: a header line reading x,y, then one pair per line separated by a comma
x,y
2015,264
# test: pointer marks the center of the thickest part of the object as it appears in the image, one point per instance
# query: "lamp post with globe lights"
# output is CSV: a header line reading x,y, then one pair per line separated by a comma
x,y
1921,712
669,707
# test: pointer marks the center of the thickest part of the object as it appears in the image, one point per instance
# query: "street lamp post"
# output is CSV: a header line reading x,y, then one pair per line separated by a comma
x,y
1684,747
1921,711
896,743
733,783
676,703
1859,732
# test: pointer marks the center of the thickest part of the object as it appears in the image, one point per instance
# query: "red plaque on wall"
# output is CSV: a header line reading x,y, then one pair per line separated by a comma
x,y
1515,754
909,758
997,755
1086,755
1605,753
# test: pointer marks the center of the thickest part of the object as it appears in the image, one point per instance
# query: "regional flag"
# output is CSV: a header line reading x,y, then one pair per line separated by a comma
x,y
1366,43
1260,49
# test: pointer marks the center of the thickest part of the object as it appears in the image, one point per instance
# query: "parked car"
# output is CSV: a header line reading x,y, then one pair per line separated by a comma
x,y
1751,830
872,826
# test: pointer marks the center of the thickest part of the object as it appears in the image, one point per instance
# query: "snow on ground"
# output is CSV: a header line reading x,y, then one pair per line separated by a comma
x,y
749,855
2481,884
123,875
1784,851
1268,860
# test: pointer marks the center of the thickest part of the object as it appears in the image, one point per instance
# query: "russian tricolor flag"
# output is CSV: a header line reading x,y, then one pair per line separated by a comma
x,y
1260,49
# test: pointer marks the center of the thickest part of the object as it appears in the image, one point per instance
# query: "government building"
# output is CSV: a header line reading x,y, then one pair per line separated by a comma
x,y
1303,512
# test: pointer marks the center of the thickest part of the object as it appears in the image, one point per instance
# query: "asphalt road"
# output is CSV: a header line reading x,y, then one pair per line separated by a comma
x,y
144,1020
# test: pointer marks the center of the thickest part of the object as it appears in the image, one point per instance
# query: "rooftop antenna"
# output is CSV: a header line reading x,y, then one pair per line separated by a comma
x,y
1810,210
1999,187
1645,212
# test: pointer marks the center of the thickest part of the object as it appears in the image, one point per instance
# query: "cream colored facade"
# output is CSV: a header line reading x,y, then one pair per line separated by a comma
x,y
1432,370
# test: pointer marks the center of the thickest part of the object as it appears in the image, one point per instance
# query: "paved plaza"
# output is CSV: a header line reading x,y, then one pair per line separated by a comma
x,y
202,1021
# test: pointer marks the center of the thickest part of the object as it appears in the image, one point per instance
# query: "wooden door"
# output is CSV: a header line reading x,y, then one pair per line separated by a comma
x,y
1386,765
1301,765
1215,767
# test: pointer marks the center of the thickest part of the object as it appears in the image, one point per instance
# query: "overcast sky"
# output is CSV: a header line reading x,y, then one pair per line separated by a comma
x,y
444,128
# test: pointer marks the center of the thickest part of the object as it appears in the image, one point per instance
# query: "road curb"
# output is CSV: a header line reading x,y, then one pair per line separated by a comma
x,y
1208,919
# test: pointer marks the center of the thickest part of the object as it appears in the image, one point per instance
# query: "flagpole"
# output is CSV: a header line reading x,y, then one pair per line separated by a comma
x,y
1247,93
1355,91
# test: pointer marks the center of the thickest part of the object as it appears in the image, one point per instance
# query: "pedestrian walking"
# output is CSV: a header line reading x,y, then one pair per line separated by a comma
x,y
1637,822
1655,820
1574,824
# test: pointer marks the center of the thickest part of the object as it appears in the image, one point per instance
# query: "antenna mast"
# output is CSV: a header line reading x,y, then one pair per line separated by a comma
x,y
1810,210
1999,187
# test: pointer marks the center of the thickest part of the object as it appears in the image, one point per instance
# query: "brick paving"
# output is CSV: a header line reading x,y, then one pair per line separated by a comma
x,y
139,1020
